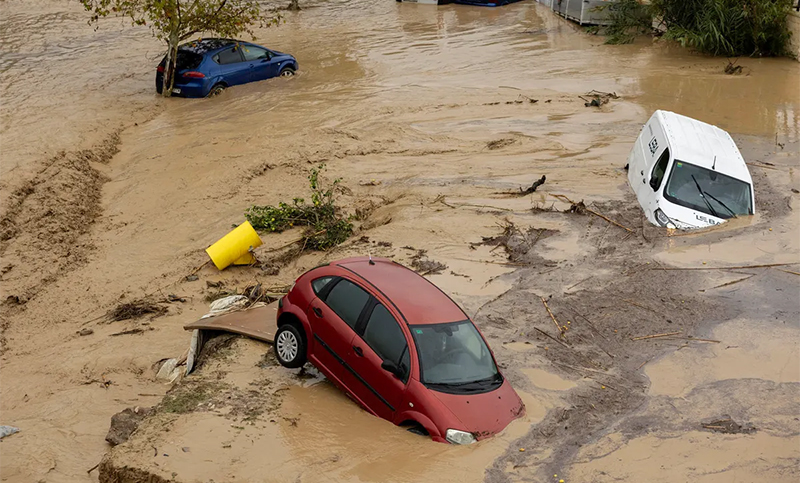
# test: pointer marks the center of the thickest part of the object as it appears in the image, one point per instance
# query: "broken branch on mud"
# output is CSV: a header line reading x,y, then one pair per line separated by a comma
x,y
560,329
576,207
532,188
550,336
740,267
729,283
654,336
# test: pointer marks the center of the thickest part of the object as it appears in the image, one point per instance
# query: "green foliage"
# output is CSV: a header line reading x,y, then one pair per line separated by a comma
x,y
628,19
174,21
728,27
326,227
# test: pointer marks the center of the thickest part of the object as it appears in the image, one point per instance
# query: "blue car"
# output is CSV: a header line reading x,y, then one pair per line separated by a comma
x,y
207,67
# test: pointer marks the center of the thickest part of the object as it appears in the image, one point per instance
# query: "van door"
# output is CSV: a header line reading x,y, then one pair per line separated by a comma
x,y
656,182
654,144
637,162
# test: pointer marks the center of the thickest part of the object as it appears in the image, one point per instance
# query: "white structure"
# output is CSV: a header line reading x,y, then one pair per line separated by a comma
x,y
585,12
688,174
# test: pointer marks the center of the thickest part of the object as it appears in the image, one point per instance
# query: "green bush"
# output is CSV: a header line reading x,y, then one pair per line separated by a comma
x,y
728,27
718,27
326,228
628,19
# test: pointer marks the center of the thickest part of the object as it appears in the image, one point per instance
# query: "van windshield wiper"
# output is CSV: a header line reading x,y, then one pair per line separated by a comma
x,y
722,204
703,195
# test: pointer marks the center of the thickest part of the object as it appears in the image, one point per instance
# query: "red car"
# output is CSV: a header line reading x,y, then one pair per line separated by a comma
x,y
398,346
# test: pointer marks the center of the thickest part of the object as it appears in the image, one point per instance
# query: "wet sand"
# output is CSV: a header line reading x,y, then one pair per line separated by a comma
x,y
410,97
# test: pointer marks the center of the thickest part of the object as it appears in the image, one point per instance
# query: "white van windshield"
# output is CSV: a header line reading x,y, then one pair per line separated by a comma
x,y
708,191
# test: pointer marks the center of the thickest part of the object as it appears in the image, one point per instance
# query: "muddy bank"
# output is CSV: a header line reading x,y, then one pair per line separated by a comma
x,y
631,326
403,106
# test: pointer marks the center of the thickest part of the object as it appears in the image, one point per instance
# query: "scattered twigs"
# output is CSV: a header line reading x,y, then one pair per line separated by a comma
x,y
494,262
631,302
200,267
551,337
703,340
578,283
595,213
441,199
760,165
92,468
731,283
642,364
303,239
560,329
609,220
789,271
127,332
654,336
484,207
740,267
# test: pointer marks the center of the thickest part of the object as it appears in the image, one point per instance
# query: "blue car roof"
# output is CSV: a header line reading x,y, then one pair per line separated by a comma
x,y
205,46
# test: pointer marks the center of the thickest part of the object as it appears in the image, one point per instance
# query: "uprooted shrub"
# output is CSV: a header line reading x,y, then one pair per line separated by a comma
x,y
326,224
135,309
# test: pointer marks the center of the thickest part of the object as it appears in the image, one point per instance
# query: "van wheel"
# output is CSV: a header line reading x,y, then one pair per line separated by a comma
x,y
286,72
216,90
290,346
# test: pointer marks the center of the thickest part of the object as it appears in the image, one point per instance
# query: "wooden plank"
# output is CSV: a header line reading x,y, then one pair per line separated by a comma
x,y
258,323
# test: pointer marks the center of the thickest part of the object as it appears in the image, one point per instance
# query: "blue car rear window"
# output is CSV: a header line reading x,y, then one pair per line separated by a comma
x,y
186,60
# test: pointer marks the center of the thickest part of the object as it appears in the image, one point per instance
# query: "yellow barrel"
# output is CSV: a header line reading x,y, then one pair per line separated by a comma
x,y
246,259
234,246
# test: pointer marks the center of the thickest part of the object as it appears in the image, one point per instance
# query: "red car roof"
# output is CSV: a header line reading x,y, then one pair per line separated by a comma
x,y
419,300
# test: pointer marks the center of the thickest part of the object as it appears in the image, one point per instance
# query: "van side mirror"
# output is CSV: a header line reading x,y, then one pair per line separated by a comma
x,y
654,184
392,368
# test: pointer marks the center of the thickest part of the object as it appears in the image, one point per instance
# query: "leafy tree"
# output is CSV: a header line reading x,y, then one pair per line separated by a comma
x,y
174,21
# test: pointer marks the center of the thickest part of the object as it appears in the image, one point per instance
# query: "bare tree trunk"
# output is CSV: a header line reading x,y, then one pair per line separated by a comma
x,y
294,5
169,68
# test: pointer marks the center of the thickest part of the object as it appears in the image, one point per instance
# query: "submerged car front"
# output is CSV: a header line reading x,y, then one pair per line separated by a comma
x,y
460,387
698,197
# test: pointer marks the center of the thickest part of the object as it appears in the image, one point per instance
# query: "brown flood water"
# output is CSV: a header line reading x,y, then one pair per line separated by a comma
x,y
407,95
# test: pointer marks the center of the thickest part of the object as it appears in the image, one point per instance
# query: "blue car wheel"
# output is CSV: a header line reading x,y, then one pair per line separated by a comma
x,y
216,90
286,72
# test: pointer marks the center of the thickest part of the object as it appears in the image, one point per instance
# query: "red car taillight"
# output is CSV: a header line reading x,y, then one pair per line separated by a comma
x,y
160,69
193,74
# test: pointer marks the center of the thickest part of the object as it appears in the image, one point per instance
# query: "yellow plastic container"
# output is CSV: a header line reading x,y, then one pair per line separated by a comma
x,y
234,247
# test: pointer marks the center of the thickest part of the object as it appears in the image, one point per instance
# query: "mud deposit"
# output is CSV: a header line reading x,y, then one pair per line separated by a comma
x,y
110,195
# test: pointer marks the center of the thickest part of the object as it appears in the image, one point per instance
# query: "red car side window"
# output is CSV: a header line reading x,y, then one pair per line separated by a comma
x,y
347,300
319,284
384,335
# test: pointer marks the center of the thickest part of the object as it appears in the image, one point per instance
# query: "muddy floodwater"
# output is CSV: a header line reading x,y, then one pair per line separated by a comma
x,y
433,118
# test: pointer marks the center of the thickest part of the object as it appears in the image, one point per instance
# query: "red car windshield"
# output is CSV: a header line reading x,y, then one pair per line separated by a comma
x,y
454,355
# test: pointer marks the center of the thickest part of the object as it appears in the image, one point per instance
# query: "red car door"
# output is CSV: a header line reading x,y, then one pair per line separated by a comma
x,y
379,338
333,316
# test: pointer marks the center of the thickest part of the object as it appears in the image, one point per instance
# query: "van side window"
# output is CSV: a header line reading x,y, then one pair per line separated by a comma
x,y
658,170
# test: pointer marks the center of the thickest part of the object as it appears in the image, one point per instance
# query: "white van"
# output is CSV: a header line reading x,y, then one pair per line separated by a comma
x,y
688,174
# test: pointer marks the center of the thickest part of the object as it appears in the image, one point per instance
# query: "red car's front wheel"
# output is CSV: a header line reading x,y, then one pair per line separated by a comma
x,y
290,346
